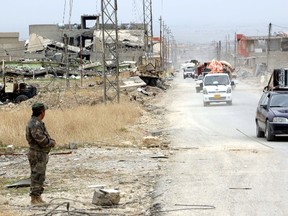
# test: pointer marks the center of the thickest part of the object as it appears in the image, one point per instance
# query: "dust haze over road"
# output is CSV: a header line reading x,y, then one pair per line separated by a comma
x,y
219,167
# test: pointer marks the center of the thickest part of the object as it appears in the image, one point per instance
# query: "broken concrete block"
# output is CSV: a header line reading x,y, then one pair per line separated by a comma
x,y
72,145
106,197
10,149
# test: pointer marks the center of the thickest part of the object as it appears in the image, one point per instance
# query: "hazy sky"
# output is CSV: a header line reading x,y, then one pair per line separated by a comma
x,y
189,20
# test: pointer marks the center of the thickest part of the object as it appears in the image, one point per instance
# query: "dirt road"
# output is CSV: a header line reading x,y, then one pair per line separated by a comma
x,y
219,167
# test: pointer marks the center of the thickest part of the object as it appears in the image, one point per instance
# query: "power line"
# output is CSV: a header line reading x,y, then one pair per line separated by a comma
x,y
279,26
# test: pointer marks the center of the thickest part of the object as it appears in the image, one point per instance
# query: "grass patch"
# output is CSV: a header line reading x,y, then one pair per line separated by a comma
x,y
80,124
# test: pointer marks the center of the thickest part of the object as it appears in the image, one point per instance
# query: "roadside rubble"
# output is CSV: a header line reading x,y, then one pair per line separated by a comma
x,y
86,178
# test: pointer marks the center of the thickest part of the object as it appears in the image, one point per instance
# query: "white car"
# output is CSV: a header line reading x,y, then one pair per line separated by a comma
x,y
189,72
217,88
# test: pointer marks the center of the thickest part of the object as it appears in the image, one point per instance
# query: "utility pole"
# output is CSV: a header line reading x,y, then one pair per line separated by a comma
x,y
161,56
168,45
81,60
163,45
3,67
66,60
173,50
268,48
110,53
148,28
235,50
219,48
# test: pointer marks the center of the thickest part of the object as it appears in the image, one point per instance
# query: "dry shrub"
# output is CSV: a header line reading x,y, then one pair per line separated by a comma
x,y
80,124
8,213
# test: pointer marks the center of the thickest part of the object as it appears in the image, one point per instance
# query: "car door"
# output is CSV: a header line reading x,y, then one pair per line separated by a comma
x,y
262,110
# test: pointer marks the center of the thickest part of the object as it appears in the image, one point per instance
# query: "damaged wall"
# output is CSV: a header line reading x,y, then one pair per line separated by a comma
x,y
10,46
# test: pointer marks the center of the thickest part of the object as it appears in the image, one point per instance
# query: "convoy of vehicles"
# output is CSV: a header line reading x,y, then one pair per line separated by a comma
x,y
272,110
213,78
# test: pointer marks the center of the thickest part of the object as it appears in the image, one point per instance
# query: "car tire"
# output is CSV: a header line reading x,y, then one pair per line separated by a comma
x,y
259,132
21,98
205,103
197,90
229,103
268,134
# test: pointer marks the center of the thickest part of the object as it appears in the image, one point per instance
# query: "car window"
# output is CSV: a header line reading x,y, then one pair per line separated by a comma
x,y
279,100
190,69
216,80
263,100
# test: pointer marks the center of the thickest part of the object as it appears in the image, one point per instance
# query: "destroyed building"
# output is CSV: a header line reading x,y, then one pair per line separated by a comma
x,y
77,45
83,41
10,46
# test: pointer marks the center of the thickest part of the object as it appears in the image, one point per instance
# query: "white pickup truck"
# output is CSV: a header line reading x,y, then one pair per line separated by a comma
x,y
217,88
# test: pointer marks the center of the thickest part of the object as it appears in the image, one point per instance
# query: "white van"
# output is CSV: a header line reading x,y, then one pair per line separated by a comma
x,y
217,88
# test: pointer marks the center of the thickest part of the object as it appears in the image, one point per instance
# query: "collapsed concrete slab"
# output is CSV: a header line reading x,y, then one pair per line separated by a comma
x,y
133,38
135,81
38,43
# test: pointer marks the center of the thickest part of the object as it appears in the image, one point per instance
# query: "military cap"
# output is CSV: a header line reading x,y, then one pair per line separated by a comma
x,y
39,107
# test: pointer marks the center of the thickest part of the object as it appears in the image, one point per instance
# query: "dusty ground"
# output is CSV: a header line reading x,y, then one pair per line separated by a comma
x,y
74,174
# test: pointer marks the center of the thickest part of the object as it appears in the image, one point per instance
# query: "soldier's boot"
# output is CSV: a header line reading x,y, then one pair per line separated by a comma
x,y
34,200
40,200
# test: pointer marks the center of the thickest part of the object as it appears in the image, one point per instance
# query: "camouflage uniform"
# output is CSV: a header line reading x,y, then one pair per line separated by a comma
x,y
40,144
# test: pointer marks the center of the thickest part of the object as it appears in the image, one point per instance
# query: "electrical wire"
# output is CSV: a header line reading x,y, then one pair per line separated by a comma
x,y
285,27
72,211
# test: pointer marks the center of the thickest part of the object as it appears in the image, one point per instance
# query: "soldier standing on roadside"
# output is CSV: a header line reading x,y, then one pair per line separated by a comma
x,y
40,144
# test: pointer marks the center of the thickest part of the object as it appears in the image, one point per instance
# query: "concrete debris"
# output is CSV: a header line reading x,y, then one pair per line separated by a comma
x,y
90,65
39,43
10,149
72,145
106,197
134,38
142,91
134,81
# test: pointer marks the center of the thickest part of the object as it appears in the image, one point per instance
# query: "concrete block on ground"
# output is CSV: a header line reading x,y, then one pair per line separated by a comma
x,y
106,197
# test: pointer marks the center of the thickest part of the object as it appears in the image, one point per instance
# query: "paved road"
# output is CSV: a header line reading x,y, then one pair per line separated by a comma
x,y
219,167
